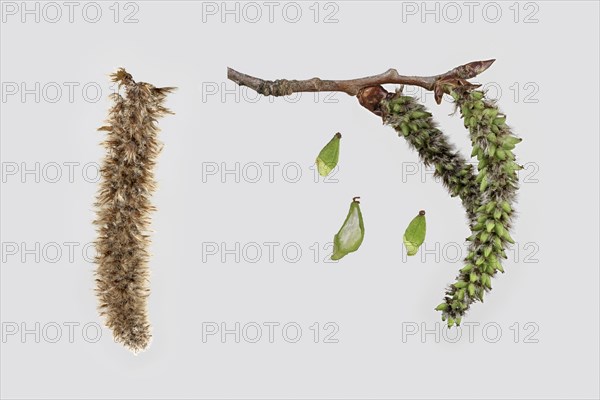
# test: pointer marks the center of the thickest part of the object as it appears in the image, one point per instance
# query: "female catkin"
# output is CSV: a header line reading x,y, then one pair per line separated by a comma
x,y
493,143
413,122
123,208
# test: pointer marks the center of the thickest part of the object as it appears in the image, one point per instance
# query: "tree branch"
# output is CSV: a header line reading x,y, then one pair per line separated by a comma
x,y
437,83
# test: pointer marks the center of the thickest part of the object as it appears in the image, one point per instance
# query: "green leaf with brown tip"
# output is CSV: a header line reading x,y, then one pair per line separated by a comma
x,y
414,236
328,158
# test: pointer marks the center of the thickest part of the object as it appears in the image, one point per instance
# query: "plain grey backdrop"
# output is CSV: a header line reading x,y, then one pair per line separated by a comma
x,y
243,225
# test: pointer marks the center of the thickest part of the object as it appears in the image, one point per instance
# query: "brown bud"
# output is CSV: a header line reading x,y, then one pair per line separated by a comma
x,y
473,69
371,97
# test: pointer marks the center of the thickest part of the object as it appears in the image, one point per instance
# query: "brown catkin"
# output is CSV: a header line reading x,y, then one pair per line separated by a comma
x,y
123,208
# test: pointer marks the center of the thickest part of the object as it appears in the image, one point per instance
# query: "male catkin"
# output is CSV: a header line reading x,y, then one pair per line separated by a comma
x,y
123,208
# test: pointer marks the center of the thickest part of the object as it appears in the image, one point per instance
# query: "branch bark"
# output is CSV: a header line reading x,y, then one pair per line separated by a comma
x,y
437,83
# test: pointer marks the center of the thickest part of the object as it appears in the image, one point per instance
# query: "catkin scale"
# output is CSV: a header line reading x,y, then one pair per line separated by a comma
x,y
123,208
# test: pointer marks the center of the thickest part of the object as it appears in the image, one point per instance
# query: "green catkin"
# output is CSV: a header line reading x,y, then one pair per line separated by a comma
x,y
412,121
123,208
497,182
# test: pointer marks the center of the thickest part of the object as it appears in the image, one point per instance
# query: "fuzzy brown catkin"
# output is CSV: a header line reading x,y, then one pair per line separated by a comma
x,y
123,208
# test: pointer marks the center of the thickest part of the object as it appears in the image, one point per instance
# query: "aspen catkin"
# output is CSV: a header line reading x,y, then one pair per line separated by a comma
x,y
413,122
493,143
123,208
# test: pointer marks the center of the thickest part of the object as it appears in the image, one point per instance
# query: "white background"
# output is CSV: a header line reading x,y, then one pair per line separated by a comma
x,y
547,74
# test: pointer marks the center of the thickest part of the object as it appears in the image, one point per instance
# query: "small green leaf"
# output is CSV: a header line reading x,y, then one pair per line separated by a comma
x,y
351,234
414,236
329,155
